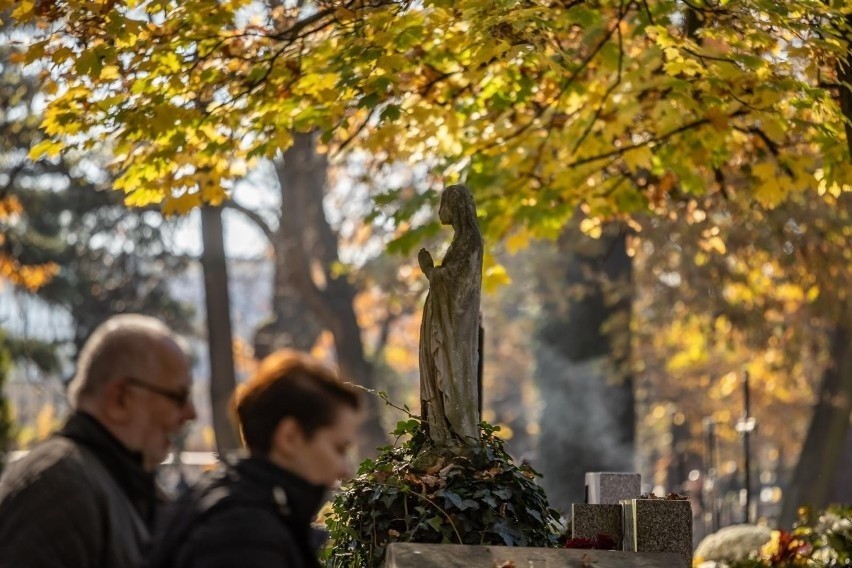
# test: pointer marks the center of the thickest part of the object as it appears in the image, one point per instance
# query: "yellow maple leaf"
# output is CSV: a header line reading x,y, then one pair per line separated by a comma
x,y
638,158
110,73
517,241
764,171
717,117
47,147
24,11
494,274
181,204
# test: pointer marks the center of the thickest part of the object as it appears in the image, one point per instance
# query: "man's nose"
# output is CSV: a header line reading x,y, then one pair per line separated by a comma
x,y
348,469
189,411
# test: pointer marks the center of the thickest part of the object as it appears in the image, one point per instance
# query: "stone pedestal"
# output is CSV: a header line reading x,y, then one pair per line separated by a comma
x,y
659,525
611,488
589,520
411,555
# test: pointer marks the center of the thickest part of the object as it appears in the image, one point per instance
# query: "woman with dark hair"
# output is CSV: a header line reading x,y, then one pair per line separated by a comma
x,y
298,422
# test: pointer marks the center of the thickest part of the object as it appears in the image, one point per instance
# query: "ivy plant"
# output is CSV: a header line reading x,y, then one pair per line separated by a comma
x,y
479,496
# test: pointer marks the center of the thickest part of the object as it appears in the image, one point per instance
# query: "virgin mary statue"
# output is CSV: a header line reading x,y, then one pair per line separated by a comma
x,y
449,333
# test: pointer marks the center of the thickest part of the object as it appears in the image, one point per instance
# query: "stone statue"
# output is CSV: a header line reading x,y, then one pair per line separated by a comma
x,y
449,334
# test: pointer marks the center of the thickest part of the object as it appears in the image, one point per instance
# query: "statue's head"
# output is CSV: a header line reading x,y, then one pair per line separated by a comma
x,y
456,201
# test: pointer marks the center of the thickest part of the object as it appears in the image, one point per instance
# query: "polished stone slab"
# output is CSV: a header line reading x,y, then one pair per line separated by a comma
x,y
611,488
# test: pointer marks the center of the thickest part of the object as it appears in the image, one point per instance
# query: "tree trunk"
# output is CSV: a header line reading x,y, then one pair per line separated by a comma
x,y
293,324
309,248
219,336
822,451
829,433
356,368
588,419
5,414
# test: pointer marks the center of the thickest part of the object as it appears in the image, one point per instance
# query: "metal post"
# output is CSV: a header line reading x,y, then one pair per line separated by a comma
x,y
746,449
710,473
745,427
480,365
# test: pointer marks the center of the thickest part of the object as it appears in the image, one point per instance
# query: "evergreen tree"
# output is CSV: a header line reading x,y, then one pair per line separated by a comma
x,y
104,258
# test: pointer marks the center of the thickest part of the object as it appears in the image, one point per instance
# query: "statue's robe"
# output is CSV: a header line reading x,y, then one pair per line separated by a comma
x,y
449,333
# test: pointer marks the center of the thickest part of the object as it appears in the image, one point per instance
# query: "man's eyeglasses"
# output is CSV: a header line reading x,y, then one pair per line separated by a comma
x,y
180,398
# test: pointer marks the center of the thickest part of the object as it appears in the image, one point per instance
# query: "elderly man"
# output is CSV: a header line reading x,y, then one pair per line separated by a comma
x,y
87,496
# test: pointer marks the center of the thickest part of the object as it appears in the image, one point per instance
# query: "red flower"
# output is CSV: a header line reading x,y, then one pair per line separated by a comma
x,y
600,542
580,543
789,549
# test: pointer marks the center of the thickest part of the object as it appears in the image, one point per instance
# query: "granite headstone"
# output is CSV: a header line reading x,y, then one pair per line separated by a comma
x,y
659,525
590,520
611,488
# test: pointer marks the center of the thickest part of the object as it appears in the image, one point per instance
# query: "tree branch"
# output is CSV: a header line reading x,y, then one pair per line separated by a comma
x,y
384,335
254,217
343,145
609,89
591,55
656,140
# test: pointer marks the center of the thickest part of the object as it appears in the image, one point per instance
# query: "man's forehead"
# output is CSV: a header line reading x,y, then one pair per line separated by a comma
x,y
171,345
169,358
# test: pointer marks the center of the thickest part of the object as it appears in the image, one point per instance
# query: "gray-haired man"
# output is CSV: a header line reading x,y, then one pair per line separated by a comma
x,y
87,496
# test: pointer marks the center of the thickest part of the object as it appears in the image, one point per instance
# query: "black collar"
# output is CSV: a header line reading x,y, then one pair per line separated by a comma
x,y
124,465
298,500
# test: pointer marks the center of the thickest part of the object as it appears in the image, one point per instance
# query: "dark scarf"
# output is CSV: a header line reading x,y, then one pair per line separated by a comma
x,y
296,501
242,482
303,499
123,465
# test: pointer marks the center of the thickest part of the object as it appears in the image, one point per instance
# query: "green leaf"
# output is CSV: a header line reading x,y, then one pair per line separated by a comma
x,y
369,101
436,523
405,243
89,63
406,427
391,113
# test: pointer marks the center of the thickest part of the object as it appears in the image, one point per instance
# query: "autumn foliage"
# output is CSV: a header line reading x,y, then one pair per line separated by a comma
x,y
539,105
30,277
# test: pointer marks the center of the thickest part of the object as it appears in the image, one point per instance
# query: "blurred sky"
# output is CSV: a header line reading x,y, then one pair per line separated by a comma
x,y
242,237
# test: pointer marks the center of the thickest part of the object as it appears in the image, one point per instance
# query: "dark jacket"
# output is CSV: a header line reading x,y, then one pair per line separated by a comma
x,y
249,513
78,500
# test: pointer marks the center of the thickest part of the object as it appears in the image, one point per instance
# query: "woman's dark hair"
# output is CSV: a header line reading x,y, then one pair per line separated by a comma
x,y
290,384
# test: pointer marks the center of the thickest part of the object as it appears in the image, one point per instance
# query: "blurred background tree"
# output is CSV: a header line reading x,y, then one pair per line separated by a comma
x,y
6,425
69,239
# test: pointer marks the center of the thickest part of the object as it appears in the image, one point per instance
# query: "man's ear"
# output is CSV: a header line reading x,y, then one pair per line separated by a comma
x,y
116,400
288,436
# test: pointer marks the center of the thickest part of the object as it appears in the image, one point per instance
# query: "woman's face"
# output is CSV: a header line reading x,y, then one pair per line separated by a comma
x,y
325,457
